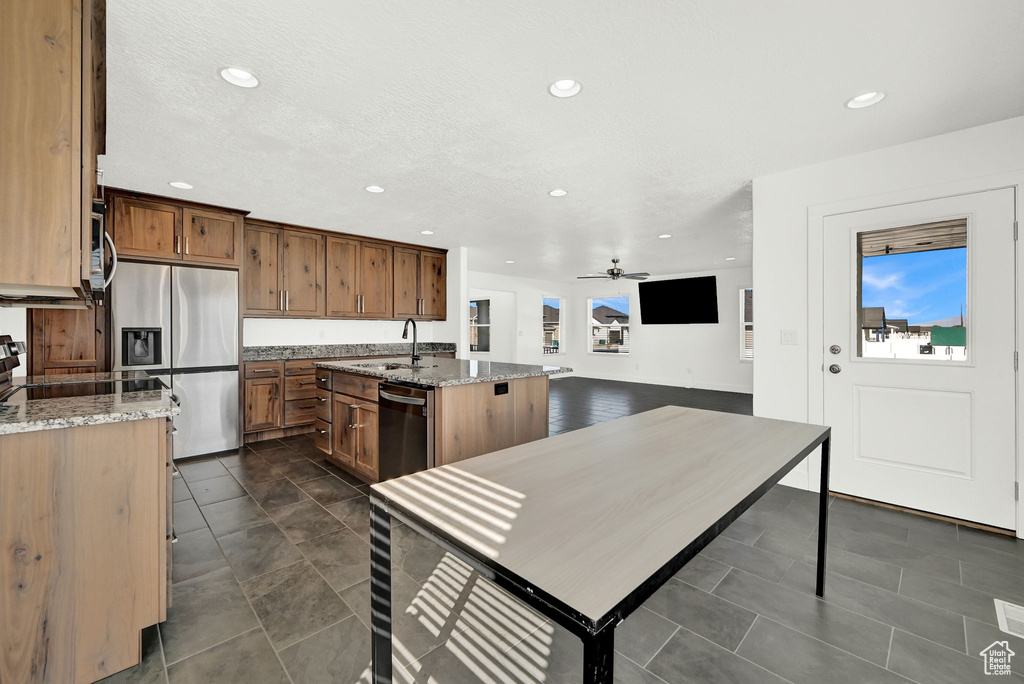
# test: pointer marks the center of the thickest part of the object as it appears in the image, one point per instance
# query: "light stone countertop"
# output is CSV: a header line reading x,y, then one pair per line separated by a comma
x,y
21,414
331,351
439,372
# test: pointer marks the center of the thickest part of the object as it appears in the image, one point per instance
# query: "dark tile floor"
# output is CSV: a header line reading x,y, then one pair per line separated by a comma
x,y
271,586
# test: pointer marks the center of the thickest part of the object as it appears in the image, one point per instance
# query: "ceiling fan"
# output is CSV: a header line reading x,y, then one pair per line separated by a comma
x,y
614,273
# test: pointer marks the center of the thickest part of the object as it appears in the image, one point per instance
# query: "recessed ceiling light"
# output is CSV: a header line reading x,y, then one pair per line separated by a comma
x,y
239,77
426,232
374,188
664,236
865,100
180,185
558,192
730,258
564,88
509,261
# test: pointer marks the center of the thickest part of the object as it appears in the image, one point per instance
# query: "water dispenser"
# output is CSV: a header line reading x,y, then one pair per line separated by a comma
x,y
141,346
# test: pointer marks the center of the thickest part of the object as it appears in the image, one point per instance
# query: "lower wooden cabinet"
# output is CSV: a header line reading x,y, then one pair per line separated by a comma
x,y
263,404
322,435
355,426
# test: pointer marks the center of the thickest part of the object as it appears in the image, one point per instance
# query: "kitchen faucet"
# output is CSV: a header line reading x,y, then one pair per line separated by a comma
x,y
405,336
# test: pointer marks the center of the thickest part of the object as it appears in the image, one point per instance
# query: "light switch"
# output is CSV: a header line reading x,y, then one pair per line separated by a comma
x,y
790,337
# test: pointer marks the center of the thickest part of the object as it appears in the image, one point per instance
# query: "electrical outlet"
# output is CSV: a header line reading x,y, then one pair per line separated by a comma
x,y
790,337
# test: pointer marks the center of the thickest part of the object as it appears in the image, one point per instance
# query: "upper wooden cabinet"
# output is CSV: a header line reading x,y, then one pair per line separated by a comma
x,y
302,273
53,75
283,272
146,229
358,279
421,289
212,237
165,231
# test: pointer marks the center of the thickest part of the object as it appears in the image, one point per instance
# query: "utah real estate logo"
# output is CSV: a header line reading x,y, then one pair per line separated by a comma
x,y
997,658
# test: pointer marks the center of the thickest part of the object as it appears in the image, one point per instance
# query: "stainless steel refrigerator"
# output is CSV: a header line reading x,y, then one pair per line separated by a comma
x,y
180,323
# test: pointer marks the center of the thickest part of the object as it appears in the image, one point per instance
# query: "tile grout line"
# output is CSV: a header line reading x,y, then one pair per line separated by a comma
x,y
258,626
738,655
757,616
660,648
163,656
643,667
888,654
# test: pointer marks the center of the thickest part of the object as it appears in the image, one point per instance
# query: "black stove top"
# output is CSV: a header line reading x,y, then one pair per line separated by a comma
x,y
90,389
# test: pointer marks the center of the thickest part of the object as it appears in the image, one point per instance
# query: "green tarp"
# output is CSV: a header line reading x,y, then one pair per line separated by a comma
x,y
949,337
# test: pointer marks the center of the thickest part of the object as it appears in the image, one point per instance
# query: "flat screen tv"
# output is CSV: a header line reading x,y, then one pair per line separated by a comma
x,y
682,300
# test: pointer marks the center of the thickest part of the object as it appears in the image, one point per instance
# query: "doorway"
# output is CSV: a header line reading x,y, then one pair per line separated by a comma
x,y
918,358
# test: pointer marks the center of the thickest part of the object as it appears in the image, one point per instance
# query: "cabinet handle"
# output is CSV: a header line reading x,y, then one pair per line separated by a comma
x,y
280,300
287,301
307,367
322,432
177,244
264,370
323,379
308,382
322,399
186,245
308,407
277,390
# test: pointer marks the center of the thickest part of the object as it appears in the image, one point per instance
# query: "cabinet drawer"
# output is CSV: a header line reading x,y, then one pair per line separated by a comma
x,y
300,367
323,379
262,369
299,387
356,385
322,436
323,405
299,412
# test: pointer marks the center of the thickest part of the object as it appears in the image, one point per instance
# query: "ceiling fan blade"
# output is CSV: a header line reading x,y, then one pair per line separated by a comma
x,y
631,275
586,277
634,277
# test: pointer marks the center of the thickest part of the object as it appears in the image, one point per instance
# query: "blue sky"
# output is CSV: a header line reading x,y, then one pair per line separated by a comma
x,y
619,304
554,303
921,287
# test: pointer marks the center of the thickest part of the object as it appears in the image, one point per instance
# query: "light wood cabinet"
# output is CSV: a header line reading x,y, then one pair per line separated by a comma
x,y
263,404
343,446
283,272
421,289
358,279
53,73
145,229
212,237
355,427
367,429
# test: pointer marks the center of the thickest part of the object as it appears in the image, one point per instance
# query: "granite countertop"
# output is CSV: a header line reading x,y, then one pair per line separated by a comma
x,y
21,414
331,351
436,372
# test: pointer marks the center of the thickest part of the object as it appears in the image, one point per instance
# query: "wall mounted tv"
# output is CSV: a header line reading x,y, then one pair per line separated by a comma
x,y
682,300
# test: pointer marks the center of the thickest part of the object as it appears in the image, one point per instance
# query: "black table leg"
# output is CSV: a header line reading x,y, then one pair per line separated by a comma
x,y
823,516
598,656
380,594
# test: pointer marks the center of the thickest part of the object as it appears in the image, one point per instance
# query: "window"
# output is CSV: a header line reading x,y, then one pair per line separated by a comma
x,y
552,325
609,325
480,325
747,323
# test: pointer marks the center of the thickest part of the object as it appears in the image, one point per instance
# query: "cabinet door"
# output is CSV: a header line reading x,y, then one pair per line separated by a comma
x,y
407,282
433,285
262,272
303,270
262,404
212,237
375,272
342,277
343,433
147,229
367,428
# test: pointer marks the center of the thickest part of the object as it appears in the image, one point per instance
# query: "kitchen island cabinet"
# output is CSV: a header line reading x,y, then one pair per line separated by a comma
x,y
477,408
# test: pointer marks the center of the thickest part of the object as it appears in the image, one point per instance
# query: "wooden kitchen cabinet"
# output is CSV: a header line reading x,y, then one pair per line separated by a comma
x,y
52,61
263,404
421,289
261,272
145,229
367,429
355,434
343,446
302,273
212,237
359,277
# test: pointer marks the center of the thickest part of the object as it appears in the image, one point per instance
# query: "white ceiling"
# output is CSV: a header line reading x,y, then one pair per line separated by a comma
x,y
445,104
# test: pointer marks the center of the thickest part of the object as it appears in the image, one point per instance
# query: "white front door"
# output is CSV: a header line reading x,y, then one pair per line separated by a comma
x,y
923,418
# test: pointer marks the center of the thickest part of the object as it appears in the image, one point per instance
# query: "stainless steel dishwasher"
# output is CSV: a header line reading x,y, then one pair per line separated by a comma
x,y
406,436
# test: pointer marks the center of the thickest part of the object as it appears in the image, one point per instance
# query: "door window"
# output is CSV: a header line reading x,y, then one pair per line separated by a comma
x,y
912,292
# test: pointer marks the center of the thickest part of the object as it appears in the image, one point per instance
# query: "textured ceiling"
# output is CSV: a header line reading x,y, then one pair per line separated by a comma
x,y
445,104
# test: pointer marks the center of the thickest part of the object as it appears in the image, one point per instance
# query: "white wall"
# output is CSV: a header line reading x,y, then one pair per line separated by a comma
x,y
504,324
263,332
14,322
703,356
786,203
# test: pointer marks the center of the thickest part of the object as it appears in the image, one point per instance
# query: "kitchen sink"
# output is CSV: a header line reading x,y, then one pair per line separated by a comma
x,y
391,366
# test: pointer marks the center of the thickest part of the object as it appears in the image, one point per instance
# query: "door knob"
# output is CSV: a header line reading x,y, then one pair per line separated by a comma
x,y
835,349
834,368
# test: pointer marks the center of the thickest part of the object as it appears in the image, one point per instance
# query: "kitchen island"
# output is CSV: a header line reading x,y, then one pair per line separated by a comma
x,y
85,522
470,408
